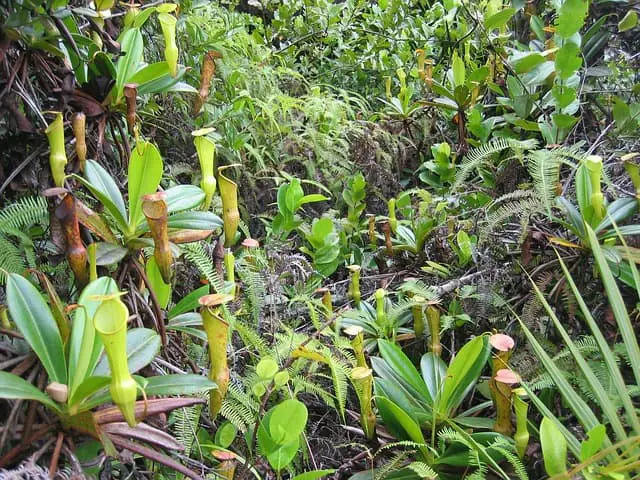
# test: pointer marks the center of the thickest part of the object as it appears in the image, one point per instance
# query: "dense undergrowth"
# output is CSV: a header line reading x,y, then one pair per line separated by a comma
x,y
315,239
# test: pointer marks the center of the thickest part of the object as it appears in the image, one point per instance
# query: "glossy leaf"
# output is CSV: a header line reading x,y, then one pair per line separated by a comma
x,y
463,372
131,46
400,424
13,387
554,448
143,345
35,322
145,173
183,197
106,190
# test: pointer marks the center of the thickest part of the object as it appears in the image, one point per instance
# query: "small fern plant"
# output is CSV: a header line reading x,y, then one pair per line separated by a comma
x,y
16,243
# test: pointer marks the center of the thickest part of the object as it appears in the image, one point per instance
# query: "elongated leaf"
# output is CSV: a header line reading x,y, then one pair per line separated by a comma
x,y
145,173
618,211
402,366
499,19
183,197
572,441
188,303
434,371
607,354
132,46
463,373
189,220
13,387
90,386
554,448
85,346
143,345
577,404
149,73
400,424
604,400
109,254
33,318
102,185
313,475
617,306
178,385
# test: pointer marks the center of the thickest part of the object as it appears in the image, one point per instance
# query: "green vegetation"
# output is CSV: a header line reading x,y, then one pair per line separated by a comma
x,y
315,239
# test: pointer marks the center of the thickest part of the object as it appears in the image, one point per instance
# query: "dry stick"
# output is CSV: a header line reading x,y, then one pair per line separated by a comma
x,y
53,466
27,442
154,456
14,411
154,300
11,333
33,406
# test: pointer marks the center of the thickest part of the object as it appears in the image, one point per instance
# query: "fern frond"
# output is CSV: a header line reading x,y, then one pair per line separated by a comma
x,y
23,213
544,168
423,470
477,156
417,287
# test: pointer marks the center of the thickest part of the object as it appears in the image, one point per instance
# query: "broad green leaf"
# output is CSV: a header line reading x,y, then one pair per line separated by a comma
x,y
554,448
499,19
102,185
165,385
131,47
402,366
267,368
311,198
183,197
225,434
571,17
178,385
629,21
617,211
313,475
109,254
568,60
400,424
145,173
149,73
13,387
188,303
462,374
167,83
87,388
434,371
143,345
288,420
143,16
35,322
85,346
592,444
458,69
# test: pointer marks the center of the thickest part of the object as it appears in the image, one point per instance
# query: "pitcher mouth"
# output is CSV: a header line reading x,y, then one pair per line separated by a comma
x,y
111,317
